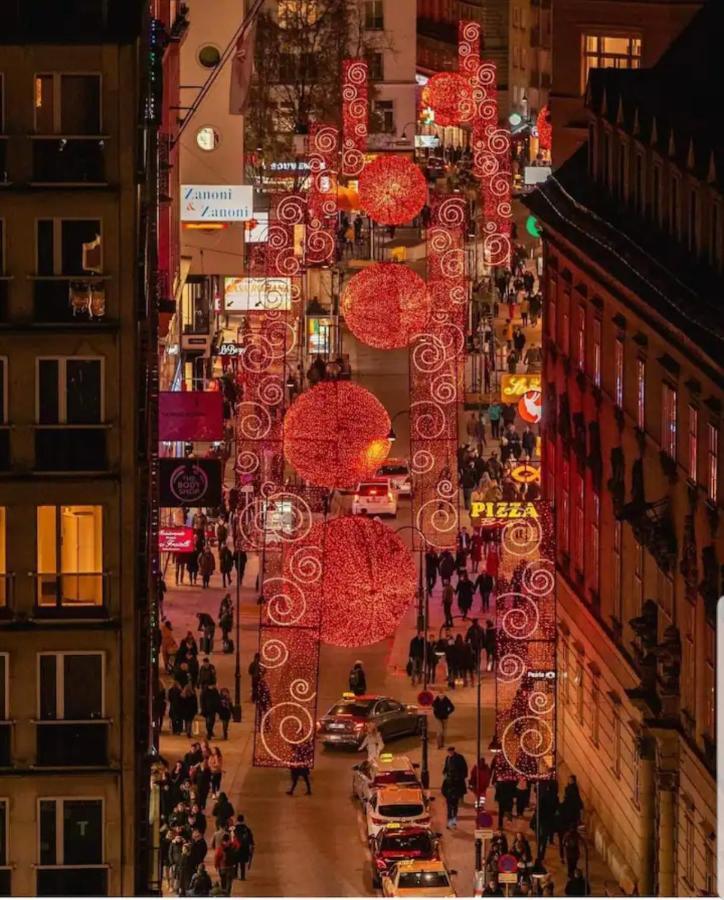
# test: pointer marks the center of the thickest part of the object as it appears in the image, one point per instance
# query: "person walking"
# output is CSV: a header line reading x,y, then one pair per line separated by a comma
x,y
226,564
489,644
475,637
447,598
207,565
476,549
200,885
372,742
358,679
484,584
454,773
297,771
495,411
432,658
416,657
222,811
189,708
169,646
207,627
226,621
480,776
571,850
572,802
245,840
216,770
192,566
225,711
431,565
464,590
528,441
225,860
255,671
442,709
446,565
185,870
210,708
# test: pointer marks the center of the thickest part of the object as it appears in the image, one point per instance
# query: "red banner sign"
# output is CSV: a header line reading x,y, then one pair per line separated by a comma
x,y
176,539
190,416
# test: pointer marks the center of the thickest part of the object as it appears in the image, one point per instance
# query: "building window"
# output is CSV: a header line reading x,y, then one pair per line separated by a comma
x,y
641,394
67,104
69,390
656,195
712,463
376,66
207,138
595,545
565,506
578,682
617,595
693,443
581,337
595,711
597,352
609,52
618,368
385,113
689,850
674,208
693,229
566,336
616,749
374,15
63,246
578,524
639,184
668,420
71,847
70,556
71,686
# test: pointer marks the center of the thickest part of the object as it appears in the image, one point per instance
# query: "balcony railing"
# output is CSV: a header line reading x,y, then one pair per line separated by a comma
x,y
71,160
64,298
71,595
76,743
4,448
72,881
71,448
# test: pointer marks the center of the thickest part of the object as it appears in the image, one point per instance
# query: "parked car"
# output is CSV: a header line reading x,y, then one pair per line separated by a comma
x,y
394,843
344,723
418,878
376,498
398,471
386,769
406,805
436,167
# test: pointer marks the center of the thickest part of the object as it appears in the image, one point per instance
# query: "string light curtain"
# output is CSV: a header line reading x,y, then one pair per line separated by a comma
x,y
323,168
525,677
354,116
436,378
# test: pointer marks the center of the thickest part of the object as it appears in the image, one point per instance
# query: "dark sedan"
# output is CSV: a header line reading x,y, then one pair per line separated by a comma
x,y
345,723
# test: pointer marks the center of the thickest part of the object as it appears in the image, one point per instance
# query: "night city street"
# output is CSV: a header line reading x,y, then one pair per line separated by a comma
x,y
361,393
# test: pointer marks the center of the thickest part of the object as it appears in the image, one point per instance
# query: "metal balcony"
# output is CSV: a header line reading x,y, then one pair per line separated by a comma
x,y
71,448
74,743
66,298
77,595
72,160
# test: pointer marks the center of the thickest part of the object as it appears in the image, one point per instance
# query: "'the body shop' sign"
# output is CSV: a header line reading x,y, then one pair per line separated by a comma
x,y
190,482
176,539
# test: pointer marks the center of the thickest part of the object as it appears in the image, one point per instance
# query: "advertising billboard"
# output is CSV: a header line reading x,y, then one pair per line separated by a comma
x,y
176,539
216,203
190,416
189,482
257,294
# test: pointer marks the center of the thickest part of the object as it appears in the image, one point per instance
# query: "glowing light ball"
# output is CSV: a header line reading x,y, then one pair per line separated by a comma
x,y
386,305
530,407
368,583
336,434
450,95
392,190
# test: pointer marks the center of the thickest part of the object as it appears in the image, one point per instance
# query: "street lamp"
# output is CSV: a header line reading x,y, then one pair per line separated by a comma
x,y
236,710
392,436
423,616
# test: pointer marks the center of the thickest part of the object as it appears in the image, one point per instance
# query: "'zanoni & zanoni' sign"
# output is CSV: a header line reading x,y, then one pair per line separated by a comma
x,y
216,202
502,509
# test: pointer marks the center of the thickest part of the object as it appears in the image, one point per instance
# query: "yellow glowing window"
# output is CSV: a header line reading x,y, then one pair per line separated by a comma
x,y
70,555
602,51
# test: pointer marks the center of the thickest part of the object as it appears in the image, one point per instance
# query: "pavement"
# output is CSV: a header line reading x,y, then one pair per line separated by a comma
x,y
316,845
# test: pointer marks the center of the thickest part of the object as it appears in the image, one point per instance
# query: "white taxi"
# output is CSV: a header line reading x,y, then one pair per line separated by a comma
x,y
419,878
387,769
398,471
375,498
394,803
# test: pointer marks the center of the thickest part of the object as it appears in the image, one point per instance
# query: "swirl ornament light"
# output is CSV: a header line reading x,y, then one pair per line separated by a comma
x,y
545,129
450,96
323,163
386,305
525,678
392,190
354,116
336,434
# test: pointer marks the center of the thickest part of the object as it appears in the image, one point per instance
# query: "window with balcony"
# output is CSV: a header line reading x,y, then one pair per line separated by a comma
x,y
712,463
693,454
668,420
69,267
70,560
640,394
68,146
602,51
384,111
71,847
374,15
596,361
70,434
71,730
618,372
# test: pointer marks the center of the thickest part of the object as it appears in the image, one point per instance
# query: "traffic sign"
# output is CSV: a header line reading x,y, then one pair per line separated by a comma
x,y
483,819
425,698
483,834
507,877
507,863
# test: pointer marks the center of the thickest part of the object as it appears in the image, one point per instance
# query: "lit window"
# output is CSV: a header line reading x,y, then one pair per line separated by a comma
x,y
595,545
578,525
640,394
581,337
564,529
618,363
693,443
207,138
68,104
374,15
712,463
71,847
597,352
70,556
68,247
668,420
606,52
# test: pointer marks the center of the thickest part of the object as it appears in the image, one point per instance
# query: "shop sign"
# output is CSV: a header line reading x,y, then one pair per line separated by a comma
x,y
190,416
288,166
427,140
536,174
216,203
189,482
512,387
176,539
548,674
502,509
257,294
229,348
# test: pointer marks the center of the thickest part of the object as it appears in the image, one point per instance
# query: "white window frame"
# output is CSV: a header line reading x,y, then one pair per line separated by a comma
x,y
63,387
60,685
59,831
58,243
692,453
581,336
618,373
712,462
669,401
57,111
640,393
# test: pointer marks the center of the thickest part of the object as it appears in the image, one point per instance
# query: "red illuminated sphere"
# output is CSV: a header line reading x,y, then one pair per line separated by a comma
x,y
336,434
392,190
386,305
450,96
369,580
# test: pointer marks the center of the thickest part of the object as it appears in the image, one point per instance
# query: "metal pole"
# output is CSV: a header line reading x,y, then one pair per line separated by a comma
x,y
236,712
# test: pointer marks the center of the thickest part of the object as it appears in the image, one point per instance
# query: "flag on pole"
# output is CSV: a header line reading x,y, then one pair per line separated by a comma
x,y
242,69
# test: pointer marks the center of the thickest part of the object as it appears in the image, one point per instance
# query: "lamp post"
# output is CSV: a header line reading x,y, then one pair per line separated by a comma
x,y
236,711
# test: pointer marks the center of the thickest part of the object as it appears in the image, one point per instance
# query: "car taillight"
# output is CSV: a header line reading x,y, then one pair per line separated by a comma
x,y
356,498
376,821
380,863
389,496
358,726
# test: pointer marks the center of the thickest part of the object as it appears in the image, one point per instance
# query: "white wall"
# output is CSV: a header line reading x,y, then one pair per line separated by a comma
x,y
398,42
218,252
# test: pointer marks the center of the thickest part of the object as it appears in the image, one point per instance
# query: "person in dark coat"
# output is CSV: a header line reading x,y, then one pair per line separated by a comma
x,y
571,850
222,811
199,848
485,584
226,565
432,658
442,709
417,657
207,673
446,566
576,885
192,565
255,670
245,839
225,711
489,643
210,701
175,709
464,590
572,802
455,773
448,593
201,883
528,441
504,797
189,708
358,679
432,561
185,870
207,627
